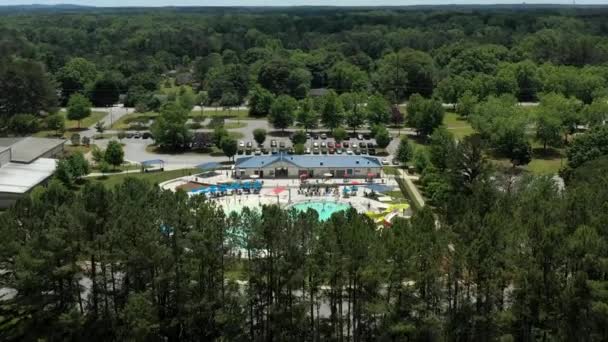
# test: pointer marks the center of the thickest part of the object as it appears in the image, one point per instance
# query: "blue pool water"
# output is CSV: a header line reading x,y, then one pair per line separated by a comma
x,y
324,209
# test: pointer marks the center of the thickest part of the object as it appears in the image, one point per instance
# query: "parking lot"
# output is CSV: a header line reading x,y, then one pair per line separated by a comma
x,y
361,144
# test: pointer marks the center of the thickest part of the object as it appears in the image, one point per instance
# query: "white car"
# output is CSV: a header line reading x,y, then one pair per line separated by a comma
x,y
349,151
315,144
323,144
385,162
241,144
307,151
258,152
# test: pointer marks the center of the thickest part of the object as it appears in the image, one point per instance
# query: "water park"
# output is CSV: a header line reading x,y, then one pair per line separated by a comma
x,y
325,195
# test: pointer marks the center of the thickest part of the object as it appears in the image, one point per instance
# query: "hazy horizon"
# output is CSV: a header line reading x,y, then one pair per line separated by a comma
x,y
159,3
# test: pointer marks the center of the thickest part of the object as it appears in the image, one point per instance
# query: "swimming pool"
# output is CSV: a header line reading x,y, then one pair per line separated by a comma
x,y
324,209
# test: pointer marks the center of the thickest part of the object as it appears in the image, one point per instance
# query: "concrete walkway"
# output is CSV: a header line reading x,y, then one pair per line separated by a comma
x,y
413,191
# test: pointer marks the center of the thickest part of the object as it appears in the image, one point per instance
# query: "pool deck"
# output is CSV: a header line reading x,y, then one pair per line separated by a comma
x,y
289,196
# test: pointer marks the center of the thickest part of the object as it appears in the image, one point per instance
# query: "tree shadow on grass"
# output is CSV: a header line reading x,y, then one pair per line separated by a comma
x,y
549,153
279,134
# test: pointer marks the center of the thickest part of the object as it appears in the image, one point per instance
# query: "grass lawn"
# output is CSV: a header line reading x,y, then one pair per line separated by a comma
x,y
70,149
124,167
153,177
457,125
134,118
232,113
390,170
71,126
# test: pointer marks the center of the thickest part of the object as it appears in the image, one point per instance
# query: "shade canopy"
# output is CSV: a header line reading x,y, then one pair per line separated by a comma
x,y
327,175
209,166
254,176
379,188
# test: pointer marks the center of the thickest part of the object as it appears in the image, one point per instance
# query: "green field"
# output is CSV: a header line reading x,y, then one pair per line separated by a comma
x,y
71,126
153,177
457,125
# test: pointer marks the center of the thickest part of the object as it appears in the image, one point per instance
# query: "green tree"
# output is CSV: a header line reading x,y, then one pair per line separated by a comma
x,y
56,122
345,77
299,137
548,129
424,115
79,107
282,112
466,104
219,133
75,76
442,148
105,91
596,113
306,115
229,147
23,124
404,151
260,101
331,113
114,154
36,91
378,111
259,135
100,127
340,134
169,129
383,137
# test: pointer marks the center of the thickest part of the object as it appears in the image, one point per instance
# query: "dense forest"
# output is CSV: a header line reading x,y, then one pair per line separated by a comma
x,y
495,256
499,260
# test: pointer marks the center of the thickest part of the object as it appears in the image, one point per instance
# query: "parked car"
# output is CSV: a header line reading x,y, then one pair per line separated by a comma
x,y
330,144
323,136
323,144
129,135
315,150
315,144
396,162
258,152
274,150
315,136
241,144
338,145
137,135
273,143
307,136
307,151
281,144
323,151
345,144
370,145
331,150
265,150
362,145
349,151
249,144
339,151
371,151
147,135
357,151
366,136
385,161
360,136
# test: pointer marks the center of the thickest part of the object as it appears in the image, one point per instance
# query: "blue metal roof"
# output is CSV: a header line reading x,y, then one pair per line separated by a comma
x,y
209,166
309,161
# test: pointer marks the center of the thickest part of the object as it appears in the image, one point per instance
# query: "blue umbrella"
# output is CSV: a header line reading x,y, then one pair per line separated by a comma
x,y
246,185
213,189
354,188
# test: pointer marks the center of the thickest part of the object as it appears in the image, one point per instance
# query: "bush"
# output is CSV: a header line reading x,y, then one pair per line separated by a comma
x,y
75,139
298,137
23,124
299,148
86,141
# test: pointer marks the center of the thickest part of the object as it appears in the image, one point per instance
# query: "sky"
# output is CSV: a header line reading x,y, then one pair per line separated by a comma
x,y
152,3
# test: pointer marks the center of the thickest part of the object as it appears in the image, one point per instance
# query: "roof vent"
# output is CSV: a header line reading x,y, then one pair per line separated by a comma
x,y
321,163
357,161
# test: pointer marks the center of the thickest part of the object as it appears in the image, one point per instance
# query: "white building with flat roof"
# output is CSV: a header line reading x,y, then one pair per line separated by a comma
x,y
24,164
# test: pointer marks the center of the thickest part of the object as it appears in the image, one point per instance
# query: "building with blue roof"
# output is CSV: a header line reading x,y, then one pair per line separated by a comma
x,y
292,166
